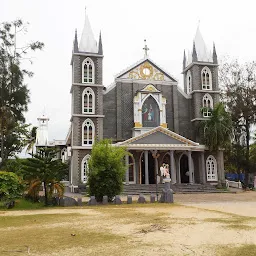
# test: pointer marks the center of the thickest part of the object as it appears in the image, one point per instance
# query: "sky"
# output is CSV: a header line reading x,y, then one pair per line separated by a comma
x,y
168,26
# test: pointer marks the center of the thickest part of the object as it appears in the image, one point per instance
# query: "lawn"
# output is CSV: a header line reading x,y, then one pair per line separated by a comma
x,y
151,229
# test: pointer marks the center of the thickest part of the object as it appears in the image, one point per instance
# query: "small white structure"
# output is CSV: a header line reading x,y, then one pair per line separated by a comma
x,y
42,131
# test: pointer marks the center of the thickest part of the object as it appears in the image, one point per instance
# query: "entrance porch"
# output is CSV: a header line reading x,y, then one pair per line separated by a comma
x,y
186,159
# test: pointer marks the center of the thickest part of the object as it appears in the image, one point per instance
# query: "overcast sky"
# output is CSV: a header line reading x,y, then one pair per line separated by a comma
x,y
168,26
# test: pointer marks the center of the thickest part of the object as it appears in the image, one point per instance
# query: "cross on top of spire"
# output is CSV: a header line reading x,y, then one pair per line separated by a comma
x,y
145,49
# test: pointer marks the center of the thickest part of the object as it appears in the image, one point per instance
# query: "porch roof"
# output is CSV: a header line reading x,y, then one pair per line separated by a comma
x,y
162,139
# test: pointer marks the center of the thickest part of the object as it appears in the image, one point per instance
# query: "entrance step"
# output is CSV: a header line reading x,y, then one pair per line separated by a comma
x,y
136,189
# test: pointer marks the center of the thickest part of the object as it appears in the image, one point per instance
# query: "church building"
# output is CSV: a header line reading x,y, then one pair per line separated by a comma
x,y
146,111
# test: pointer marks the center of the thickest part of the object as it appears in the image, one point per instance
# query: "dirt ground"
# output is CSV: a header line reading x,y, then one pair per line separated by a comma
x,y
197,224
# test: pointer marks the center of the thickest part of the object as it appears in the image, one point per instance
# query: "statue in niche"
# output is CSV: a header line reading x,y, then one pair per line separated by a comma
x,y
150,113
145,112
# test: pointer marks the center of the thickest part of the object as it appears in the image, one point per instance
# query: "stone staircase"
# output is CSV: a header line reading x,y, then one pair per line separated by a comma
x,y
136,189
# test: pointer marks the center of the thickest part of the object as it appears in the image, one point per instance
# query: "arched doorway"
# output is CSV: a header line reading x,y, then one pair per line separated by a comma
x,y
151,169
150,113
184,177
132,179
166,159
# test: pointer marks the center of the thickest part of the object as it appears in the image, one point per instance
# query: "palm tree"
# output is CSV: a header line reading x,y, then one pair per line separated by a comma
x,y
217,130
31,140
47,169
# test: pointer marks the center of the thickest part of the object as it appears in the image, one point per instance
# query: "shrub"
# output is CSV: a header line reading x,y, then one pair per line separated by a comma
x,y
106,170
11,186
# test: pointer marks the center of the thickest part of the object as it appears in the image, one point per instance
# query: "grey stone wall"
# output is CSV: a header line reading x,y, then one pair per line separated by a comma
x,y
77,64
184,116
77,124
110,113
118,109
77,158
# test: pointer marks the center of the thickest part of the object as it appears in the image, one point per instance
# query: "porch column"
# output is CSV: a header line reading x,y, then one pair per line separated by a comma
x,y
202,169
190,167
173,171
127,170
146,166
156,168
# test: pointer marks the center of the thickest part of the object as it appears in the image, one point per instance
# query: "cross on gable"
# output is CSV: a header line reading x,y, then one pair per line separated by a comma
x,y
146,48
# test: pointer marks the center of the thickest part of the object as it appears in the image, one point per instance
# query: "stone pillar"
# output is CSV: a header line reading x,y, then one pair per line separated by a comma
x,y
190,167
178,168
156,168
127,170
173,169
202,168
220,167
146,166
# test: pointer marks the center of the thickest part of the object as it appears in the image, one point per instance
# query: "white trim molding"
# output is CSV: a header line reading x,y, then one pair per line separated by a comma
x,y
206,78
88,101
84,168
88,132
211,169
207,105
88,71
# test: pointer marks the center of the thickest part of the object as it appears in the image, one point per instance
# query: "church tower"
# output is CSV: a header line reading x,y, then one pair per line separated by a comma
x,y
42,131
200,73
86,101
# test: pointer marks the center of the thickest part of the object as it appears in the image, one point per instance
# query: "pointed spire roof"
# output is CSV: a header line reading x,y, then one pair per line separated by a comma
x,y
88,42
202,53
100,50
214,54
75,48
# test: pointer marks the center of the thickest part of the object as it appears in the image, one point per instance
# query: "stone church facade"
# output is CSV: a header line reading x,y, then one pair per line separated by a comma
x,y
145,111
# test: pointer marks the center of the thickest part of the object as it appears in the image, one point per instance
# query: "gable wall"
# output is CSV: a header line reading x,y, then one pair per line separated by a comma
x,y
119,117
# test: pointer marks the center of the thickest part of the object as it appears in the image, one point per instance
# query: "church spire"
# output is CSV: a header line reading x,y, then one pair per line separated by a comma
x,y
184,60
75,47
202,53
100,49
214,55
194,53
87,42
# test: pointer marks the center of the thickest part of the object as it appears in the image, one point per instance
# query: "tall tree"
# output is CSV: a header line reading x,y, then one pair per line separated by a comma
x,y
217,130
14,94
239,85
45,168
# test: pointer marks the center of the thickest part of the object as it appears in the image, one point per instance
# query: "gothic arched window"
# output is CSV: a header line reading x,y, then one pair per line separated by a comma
x,y
206,77
211,168
84,168
88,101
150,113
189,82
88,71
88,132
207,105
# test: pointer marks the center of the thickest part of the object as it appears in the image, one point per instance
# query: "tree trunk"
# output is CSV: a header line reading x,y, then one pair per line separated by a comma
x,y
2,143
247,128
45,193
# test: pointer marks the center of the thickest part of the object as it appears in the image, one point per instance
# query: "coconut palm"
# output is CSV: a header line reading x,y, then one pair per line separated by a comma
x,y
217,129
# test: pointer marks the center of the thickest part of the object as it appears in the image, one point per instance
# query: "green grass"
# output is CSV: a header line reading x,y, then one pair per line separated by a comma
x,y
48,240
32,221
22,204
